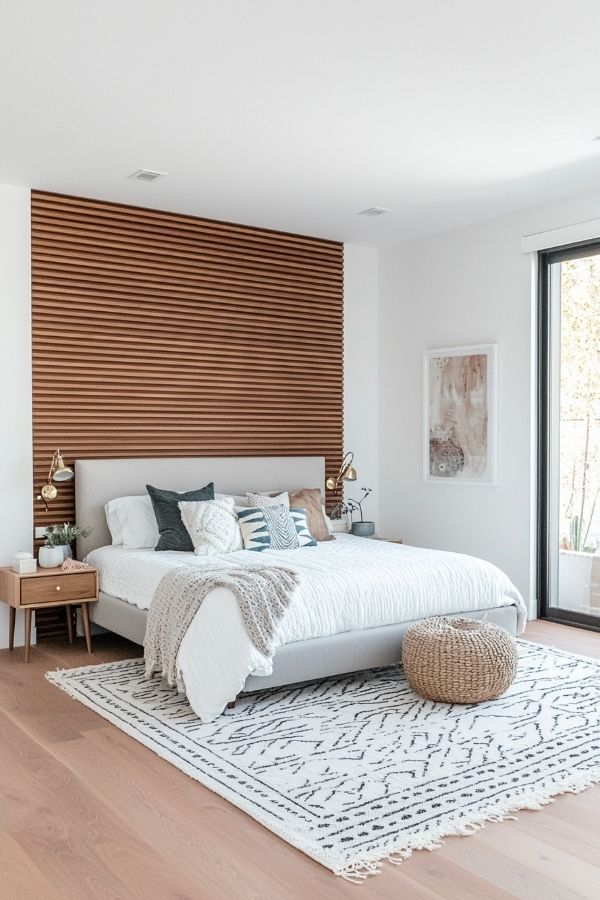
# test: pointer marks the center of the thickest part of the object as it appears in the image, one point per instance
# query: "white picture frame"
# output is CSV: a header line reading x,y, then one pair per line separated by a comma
x,y
460,415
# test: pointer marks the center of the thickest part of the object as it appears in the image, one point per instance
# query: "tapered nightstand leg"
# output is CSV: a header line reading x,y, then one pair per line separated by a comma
x,y
85,615
27,633
12,615
69,613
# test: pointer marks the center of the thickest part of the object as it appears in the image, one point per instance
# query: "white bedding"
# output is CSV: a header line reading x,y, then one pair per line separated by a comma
x,y
347,584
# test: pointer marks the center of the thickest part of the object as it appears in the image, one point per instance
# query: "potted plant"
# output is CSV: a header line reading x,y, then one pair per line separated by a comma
x,y
57,546
363,528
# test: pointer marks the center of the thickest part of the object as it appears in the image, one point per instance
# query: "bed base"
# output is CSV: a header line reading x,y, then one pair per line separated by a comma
x,y
350,651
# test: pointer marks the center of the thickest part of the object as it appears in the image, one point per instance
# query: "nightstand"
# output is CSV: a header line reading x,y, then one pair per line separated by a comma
x,y
44,589
391,540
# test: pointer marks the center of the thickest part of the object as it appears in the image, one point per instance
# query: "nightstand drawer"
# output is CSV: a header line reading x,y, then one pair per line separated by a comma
x,y
54,588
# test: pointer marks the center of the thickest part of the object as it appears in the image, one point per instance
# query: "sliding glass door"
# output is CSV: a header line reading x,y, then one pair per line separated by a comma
x,y
569,435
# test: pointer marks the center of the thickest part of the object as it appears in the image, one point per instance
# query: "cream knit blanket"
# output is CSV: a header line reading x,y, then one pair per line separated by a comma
x,y
263,593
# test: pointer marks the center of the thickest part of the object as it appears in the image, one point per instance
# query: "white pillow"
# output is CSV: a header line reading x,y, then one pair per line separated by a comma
x,y
212,525
238,500
327,519
263,499
111,511
137,527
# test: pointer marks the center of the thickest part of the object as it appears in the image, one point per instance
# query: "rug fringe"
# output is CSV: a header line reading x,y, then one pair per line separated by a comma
x,y
358,871
80,670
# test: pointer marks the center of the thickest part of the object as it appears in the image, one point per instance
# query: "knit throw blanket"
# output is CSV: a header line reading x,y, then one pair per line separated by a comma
x,y
263,593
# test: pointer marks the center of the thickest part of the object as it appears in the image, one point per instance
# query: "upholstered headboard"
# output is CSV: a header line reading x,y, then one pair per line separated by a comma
x,y
100,480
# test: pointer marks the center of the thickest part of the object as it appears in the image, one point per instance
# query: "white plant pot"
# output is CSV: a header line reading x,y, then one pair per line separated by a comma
x,y
340,526
66,550
51,557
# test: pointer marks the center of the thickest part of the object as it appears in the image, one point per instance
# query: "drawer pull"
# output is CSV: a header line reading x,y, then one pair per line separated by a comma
x,y
58,587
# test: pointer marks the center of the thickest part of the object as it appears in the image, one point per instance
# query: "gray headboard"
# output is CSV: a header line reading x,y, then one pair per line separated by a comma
x,y
100,480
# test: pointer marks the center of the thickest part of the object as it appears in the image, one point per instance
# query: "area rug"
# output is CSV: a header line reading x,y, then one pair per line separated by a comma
x,y
358,769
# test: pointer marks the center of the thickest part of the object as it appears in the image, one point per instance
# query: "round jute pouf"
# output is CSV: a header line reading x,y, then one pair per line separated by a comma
x,y
459,660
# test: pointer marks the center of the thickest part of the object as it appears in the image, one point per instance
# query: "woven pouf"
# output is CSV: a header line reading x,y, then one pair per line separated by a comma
x,y
459,660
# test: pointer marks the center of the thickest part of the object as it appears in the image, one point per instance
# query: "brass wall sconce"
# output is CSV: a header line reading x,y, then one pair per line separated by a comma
x,y
347,473
58,473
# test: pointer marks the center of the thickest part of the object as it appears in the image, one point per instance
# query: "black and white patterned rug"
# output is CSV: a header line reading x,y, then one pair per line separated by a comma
x,y
357,769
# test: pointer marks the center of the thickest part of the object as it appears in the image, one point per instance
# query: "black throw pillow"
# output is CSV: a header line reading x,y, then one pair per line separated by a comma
x,y
173,533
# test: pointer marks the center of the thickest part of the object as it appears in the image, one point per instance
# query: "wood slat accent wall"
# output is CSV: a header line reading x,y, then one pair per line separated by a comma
x,y
157,334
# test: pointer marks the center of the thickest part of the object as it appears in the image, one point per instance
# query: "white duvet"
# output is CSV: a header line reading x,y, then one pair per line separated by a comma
x,y
347,584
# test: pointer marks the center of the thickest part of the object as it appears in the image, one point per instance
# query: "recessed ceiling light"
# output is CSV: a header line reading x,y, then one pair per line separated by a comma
x,y
374,211
146,175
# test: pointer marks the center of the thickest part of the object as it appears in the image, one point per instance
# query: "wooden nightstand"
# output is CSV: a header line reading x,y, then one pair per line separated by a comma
x,y
391,540
44,589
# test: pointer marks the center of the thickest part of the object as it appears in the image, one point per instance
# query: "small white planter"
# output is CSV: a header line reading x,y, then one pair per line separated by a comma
x,y
340,526
51,557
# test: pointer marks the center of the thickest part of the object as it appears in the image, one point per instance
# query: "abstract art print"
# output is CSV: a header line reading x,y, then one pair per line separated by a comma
x,y
460,415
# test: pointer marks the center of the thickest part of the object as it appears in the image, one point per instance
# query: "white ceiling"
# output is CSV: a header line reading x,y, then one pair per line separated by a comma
x,y
296,114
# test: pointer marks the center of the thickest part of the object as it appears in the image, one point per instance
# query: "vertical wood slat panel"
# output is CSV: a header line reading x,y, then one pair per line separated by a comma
x,y
158,334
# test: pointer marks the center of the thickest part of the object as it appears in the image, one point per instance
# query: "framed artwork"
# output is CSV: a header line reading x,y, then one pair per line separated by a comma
x,y
460,415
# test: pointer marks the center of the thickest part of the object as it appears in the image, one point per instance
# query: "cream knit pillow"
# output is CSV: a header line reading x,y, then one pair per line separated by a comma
x,y
264,499
212,525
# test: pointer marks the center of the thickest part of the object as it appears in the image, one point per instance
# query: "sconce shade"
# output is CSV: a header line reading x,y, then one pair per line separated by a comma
x,y
347,473
58,473
61,472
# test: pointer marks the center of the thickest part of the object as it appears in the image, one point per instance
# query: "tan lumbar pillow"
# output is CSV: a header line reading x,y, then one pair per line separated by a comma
x,y
310,500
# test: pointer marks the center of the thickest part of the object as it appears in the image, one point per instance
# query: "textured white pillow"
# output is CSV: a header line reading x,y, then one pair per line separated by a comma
x,y
132,522
264,499
212,525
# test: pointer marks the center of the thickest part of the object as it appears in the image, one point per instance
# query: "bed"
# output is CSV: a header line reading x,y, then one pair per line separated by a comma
x,y
356,599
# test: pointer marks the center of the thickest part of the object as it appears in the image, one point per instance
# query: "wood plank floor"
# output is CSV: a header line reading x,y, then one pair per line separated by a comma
x,y
87,812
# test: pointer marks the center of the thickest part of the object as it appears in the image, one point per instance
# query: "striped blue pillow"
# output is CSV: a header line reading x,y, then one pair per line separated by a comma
x,y
273,528
305,538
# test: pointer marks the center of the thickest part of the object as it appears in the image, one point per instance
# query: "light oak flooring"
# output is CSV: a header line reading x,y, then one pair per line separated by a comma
x,y
87,812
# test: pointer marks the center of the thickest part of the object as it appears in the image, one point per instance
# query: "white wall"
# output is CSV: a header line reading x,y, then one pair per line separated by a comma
x,y
16,517
361,381
468,285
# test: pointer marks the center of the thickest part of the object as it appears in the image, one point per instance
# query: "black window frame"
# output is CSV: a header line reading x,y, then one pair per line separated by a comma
x,y
547,258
